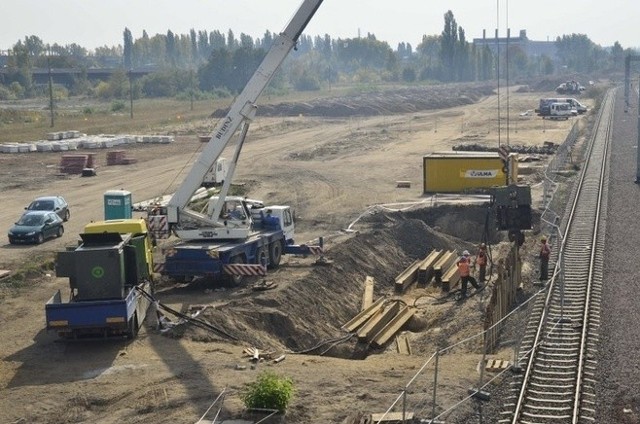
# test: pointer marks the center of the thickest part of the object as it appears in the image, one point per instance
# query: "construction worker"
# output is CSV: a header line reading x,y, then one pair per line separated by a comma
x,y
464,270
481,262
545,252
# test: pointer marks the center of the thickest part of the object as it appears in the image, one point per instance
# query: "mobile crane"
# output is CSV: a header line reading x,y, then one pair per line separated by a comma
x,y
235,235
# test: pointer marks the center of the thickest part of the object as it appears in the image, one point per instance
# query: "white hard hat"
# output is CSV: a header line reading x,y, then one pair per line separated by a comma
x,y
465,253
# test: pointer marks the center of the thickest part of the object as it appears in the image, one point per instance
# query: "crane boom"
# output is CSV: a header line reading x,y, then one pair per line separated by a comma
x,y
241,112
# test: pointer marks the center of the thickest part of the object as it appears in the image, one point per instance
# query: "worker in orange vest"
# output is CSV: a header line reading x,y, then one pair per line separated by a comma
x,y
464,270
481,262
545,252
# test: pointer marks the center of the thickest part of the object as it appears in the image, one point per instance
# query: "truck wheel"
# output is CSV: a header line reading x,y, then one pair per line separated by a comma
x,y
132,331
60,231
275,254
235,280
262,257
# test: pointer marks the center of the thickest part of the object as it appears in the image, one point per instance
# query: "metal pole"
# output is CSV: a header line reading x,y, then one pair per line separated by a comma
x,y
50,89
404,405
131,92
484,359
638,143
435,386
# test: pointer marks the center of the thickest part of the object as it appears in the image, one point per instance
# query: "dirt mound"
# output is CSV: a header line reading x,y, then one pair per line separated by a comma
x,y
305,315
386,102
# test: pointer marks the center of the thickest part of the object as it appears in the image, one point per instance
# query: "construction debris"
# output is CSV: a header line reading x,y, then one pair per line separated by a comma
x,y
256,355
264,285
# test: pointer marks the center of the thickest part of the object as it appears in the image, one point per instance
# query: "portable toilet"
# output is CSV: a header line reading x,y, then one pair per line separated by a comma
x,y
117,204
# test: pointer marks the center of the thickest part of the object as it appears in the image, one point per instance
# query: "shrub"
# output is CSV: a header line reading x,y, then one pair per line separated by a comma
x,y
118,106
269,391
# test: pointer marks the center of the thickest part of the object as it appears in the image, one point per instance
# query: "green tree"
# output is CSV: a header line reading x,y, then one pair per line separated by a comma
x,y
448,42
172,53
128,48
577,52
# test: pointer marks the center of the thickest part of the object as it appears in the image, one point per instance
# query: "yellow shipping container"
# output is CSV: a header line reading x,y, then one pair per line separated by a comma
x,y
456,172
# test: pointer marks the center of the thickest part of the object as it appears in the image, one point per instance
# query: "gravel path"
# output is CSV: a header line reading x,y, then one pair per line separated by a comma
x,y
618,365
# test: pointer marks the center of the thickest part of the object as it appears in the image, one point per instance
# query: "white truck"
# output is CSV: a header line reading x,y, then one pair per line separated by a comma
x,y
234,236
544,108
560,111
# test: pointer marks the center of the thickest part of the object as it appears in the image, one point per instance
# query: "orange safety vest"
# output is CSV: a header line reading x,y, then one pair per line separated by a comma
x,y
481,259
463,267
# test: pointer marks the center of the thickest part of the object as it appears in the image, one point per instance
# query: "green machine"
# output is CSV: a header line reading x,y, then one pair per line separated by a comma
x,y
512,205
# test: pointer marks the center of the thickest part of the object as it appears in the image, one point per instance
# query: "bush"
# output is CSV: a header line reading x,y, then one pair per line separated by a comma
x,y
269,391
118,106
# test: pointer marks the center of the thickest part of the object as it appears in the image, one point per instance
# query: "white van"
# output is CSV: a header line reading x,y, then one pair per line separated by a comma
x,y
560,111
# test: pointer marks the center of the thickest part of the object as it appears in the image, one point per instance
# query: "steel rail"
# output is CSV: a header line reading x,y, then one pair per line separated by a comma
x,y
553,388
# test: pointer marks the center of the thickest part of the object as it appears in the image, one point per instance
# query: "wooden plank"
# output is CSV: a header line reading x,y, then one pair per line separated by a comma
x,y
367,296
391,417
363,316
425,272
408,276
446,260
443,264
4,273
451,275
402,344
396,323
378,321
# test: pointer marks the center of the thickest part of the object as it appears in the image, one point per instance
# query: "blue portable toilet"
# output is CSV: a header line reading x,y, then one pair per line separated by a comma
x,y
117,204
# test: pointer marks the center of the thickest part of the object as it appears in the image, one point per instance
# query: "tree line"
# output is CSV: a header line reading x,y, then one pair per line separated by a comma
x,y
215,63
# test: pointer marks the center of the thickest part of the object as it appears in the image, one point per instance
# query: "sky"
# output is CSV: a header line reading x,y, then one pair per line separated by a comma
x,y
96,23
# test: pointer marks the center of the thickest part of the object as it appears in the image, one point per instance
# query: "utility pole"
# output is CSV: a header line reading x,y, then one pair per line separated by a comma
x,y
50,88
131,92
192,87
638,143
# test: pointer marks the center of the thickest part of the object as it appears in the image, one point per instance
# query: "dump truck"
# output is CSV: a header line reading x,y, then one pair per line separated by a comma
x,y
110,276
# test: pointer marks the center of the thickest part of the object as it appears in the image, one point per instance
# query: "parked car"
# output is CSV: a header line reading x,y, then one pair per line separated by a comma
x,y
36,227
55,204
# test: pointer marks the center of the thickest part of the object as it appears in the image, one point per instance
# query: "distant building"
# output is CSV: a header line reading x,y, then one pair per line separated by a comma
x,y
529,47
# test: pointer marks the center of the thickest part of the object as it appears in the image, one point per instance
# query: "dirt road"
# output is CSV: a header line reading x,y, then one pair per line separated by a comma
x,y
329,170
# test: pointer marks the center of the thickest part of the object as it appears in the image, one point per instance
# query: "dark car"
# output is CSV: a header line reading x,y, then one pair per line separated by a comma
x,y
35,227
55,204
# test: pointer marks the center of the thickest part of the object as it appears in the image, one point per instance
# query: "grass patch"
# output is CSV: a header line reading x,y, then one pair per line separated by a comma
x,y
30,271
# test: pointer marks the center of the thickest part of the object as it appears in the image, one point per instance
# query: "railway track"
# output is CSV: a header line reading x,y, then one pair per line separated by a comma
x,y
557,382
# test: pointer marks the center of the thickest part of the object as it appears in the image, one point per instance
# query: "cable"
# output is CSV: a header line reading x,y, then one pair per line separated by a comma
x,y
195,321
333,341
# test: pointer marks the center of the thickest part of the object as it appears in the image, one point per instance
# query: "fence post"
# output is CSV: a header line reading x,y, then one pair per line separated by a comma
x,y
404,405
435,386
